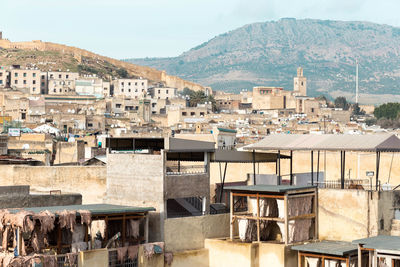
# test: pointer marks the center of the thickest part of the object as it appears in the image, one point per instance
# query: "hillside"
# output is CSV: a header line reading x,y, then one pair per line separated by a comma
x,y
269,53
50,56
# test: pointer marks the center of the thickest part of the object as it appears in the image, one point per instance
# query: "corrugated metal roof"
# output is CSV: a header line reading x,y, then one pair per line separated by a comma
x,y
95,209
334,248
267,188
222,155
345,142
380,242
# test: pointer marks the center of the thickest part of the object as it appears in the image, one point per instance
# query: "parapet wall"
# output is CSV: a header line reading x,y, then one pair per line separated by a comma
x,y
86,180
141,71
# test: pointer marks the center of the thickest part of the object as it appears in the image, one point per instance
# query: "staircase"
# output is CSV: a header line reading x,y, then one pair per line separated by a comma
x,y
395,228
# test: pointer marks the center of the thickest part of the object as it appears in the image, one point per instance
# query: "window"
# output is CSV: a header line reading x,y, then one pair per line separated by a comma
x,y
24,74
129,84
136,83
90,124
159,91
16,74
312,110
59,76
24,81
23,116
118,105
54,90
142,83
135,90
67,76
167,91
166,98
51,76
1,74
184,114
42,84
129,90
122,83
34,75
1,81
34,82
43,77
34,89
122,90
302,83
192,113
16,81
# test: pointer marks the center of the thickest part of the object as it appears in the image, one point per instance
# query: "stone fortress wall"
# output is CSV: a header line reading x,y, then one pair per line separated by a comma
x,y
141,71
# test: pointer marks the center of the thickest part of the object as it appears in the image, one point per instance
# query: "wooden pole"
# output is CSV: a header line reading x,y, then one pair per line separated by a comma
x,y
291,167
318,168
258,218
286,211
279,167
312,167
146,229
231,216
359,255
254,168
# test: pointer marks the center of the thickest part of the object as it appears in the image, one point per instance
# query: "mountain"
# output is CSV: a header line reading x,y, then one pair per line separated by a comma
x,y
269,53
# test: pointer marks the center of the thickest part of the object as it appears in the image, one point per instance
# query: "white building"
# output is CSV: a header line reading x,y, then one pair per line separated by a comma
x,y
130,88
92,86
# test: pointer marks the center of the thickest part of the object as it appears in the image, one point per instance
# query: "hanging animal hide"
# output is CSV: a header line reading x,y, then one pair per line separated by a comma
x,y
168,258
72,258
133,252
67,219
86,217
46,219
121,252
133,228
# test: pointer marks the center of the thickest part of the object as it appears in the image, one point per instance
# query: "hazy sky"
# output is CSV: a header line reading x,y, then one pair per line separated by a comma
x,y
150,28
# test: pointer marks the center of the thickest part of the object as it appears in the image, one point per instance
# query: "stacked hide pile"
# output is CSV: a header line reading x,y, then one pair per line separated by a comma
x,y
37,226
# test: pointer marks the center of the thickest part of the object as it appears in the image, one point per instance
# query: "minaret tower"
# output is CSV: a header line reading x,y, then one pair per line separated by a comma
x,y
300,83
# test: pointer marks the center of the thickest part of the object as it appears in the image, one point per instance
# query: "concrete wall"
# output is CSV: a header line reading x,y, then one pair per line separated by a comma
x,y
198,258
189,233
232,254
224,253
188,185
70,152
353,214
137,180
88,181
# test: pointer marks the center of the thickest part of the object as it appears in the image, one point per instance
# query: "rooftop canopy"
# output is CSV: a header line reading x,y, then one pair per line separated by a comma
x,y
267,188
95,209
343,142
223,155
380,242
334,248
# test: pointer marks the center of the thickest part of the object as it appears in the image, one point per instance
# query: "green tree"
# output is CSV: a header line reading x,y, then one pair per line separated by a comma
x,y
388,111
123,73
341,102
357,110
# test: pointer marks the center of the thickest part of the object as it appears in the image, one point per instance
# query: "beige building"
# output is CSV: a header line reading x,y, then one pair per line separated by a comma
x,y
265,98
177,114
131,88
3,78
163,92
25,79
61,83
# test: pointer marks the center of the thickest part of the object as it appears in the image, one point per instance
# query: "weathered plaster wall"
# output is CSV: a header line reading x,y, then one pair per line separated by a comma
x,y
224,253
20,197
137,180
353,214
180,186
198,258
189,233
69,152
88,181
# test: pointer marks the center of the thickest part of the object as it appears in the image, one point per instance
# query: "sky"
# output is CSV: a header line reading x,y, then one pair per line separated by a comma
x,y
166,28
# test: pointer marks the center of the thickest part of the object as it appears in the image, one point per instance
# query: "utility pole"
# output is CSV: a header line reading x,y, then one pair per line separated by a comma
x,y
356,81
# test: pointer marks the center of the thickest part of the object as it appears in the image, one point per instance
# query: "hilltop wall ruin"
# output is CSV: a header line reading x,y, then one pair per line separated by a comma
x,y
141,71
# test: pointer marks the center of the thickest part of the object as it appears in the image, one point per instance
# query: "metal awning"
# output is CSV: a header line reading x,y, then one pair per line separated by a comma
x,y
234,156
380,242
333,142
335,248
185,145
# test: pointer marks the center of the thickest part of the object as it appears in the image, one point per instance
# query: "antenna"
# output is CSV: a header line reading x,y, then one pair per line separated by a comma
x,y
356,81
